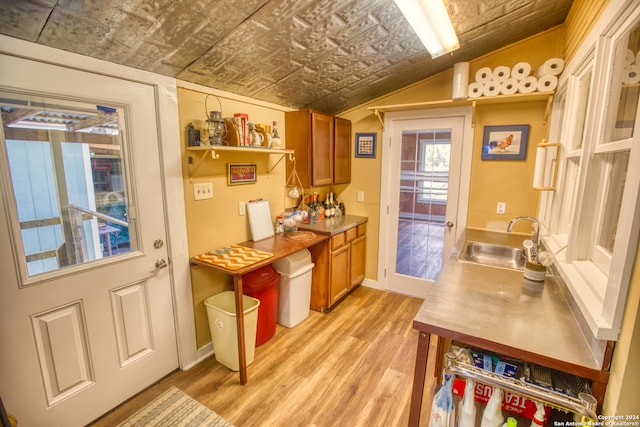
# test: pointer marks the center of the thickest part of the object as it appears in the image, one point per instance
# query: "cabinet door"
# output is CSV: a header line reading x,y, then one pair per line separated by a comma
x,y
342,151
321,149
340,278
358,258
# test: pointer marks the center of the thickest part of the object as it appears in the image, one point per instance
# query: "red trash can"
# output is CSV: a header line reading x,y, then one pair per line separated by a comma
x,y
263,284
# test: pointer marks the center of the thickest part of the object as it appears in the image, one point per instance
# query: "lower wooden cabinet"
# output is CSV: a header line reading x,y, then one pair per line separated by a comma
x,y
339,266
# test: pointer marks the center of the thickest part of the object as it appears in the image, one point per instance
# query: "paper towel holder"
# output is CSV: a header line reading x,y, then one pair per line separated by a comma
x,y
540,168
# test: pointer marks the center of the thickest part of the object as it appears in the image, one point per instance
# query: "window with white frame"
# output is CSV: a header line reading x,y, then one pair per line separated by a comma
x,y
435,151
593,220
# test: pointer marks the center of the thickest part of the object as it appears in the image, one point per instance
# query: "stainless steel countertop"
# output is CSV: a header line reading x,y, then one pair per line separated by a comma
x,y
502,309
334,225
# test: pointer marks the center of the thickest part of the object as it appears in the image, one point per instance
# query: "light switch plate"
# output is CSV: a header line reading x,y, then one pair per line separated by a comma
x,y
203,190
361,196
501,208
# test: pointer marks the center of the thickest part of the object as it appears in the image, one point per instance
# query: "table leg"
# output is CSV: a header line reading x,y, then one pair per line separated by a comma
x,y
242,352
419,374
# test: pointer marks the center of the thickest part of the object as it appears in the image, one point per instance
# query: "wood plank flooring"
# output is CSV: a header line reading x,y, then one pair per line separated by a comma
x,y
419,248
352,366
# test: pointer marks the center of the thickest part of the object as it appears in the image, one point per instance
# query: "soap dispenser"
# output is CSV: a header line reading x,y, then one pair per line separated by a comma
x,y
492,415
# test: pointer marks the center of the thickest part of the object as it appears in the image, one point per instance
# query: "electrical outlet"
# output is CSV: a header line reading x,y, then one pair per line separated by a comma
x,y
203,190
361,196
502,208
242,208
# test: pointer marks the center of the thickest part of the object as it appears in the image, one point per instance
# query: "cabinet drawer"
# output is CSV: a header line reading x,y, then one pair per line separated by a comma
x,y
362,229
338,241
351,234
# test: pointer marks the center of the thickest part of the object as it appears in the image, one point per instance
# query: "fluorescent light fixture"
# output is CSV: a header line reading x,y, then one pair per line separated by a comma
x,y
431,22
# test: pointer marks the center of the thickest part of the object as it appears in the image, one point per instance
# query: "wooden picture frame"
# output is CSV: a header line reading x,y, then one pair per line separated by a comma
x,y
508,142
241,173
366,145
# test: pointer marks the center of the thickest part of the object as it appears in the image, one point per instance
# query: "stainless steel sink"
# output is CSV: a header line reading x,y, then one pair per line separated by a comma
x,y
492,255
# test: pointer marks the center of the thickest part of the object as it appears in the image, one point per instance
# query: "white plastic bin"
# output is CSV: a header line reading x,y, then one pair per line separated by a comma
x,y
221,311
295,287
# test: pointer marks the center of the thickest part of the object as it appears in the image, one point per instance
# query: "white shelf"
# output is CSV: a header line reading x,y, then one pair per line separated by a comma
x,y
379,110
215,151
222,148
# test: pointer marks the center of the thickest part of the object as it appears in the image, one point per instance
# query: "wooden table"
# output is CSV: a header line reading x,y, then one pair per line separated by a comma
x,y
281,245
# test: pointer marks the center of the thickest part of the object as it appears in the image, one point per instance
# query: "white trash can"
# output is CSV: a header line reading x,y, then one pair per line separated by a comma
x,y
294,296
221,311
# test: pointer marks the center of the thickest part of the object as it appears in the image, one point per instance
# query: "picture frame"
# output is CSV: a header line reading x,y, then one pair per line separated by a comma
x,y
241,173
366,144
507,142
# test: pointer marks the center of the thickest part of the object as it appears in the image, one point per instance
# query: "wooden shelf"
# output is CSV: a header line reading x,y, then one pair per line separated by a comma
x,y
215,151
379,110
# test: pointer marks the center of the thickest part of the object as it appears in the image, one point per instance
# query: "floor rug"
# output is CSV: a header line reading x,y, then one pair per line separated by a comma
x,y
174,408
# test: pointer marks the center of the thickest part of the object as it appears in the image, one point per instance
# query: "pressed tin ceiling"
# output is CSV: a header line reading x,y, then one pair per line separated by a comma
x,y
330,55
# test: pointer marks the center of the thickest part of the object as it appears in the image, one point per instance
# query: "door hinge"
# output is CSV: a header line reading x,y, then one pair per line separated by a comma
x,y
387,209
385,273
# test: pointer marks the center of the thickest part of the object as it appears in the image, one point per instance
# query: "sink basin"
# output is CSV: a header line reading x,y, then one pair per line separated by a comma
x,y
492,255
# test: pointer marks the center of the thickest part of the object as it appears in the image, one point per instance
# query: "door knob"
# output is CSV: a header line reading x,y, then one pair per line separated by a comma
x,y
449,224
160,264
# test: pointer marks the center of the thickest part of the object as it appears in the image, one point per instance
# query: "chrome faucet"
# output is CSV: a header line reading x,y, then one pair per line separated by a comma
x,y
537,224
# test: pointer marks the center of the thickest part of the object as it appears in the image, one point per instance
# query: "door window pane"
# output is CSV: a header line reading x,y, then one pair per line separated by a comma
x,y
424,186
65,165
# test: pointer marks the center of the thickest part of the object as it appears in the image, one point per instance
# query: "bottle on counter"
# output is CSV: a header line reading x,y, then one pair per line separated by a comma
x,y
328,213
332,203
312,211
342,208
320,207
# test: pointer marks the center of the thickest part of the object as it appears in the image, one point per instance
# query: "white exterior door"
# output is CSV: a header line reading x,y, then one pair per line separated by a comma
x,y
88,322
424,174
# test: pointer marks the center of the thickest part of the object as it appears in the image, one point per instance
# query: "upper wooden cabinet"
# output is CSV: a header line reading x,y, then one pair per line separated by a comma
x,y
322,145
342,151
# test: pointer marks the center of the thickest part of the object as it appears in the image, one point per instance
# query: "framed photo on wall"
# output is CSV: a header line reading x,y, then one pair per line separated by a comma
x,y
241,173
507,142
366,145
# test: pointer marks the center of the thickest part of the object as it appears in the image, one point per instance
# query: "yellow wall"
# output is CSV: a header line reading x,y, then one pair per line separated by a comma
x,y
581,18
492,181
624,382
215,223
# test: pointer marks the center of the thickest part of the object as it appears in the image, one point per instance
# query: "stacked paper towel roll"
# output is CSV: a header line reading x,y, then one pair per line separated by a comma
x,y
547,74
503,80
631,72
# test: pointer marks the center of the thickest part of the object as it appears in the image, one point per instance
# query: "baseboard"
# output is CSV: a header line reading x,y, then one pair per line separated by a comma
x,y
372,284
203,352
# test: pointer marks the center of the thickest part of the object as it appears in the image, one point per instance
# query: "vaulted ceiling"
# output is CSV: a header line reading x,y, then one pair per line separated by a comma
x,y
330,55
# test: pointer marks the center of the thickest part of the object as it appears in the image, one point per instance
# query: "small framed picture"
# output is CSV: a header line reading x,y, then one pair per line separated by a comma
x,y
366,145
241,173
505,142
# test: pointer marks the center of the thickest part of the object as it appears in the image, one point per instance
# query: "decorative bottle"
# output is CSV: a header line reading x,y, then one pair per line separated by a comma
x,y
276,142
320,207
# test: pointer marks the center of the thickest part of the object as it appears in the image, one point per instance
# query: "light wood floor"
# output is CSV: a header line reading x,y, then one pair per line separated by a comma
x,y
352,366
